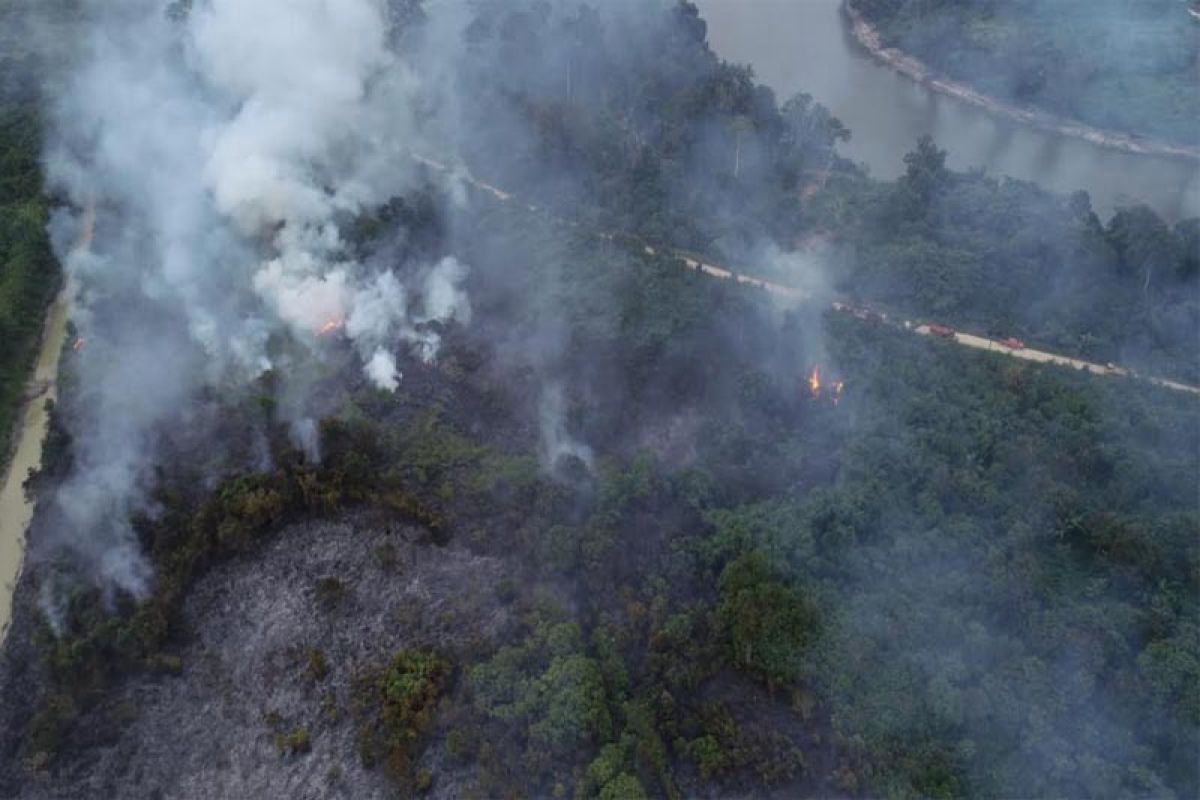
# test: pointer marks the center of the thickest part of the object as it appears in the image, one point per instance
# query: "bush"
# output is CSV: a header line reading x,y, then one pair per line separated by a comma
x,y
298,742
387,556
623,787
460,744
397,708
423,780
318,666
166,663
706,752
329,593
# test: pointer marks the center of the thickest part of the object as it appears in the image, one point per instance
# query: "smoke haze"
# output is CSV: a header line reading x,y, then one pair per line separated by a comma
x,y
223,179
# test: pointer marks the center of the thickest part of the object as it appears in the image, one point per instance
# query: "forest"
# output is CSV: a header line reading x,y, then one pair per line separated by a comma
x,y
968,576
1005,257
703,159
1128,67
29,274
955,574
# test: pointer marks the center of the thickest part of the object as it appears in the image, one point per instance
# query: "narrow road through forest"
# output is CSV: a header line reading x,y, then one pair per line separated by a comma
x,y
790,292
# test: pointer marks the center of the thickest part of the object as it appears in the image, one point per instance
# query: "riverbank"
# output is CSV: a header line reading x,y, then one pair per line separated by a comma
x,y
15,509
870,40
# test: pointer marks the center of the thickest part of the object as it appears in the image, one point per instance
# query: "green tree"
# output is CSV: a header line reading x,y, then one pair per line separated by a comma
x,y
768,623
924,177
623,787
1145,245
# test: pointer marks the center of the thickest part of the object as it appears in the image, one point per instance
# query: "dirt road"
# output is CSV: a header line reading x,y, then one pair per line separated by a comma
x,y
15,508
1042,357
792,293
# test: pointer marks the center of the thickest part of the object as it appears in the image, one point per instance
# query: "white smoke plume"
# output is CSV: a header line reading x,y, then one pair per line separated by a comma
x,y
224,142
557,441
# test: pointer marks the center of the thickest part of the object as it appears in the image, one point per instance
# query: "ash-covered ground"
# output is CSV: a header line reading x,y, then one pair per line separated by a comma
x,y
247,678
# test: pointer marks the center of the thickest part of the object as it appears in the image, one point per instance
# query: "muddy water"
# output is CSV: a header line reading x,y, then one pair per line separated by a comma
x,y
15,510
806,45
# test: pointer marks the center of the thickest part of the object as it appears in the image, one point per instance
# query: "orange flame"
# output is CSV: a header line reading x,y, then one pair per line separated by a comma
x,y
829,390
330,327
78,344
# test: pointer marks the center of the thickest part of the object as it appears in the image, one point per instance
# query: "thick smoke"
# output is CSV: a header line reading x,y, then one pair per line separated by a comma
x,y
224,145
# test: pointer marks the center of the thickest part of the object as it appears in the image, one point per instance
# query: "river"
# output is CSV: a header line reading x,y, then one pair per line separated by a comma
x,y
806,45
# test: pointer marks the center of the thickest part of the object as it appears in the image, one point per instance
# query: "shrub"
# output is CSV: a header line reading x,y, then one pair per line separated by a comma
x,y
423,780
387,556
166,663
623,787
330,592
397,707
298,742
460,744
318,666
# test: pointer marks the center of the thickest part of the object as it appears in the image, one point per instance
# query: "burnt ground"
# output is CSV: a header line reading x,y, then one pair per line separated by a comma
x,y
245,682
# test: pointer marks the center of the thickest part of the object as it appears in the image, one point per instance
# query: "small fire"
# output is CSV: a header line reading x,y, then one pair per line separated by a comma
x,y
78,344
331,326
817,388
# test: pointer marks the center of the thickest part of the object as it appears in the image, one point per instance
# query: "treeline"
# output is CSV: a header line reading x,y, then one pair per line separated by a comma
x,y
1129,67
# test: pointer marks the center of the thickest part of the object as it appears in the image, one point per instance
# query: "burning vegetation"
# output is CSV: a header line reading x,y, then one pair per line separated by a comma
x,y
821,389
331,327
